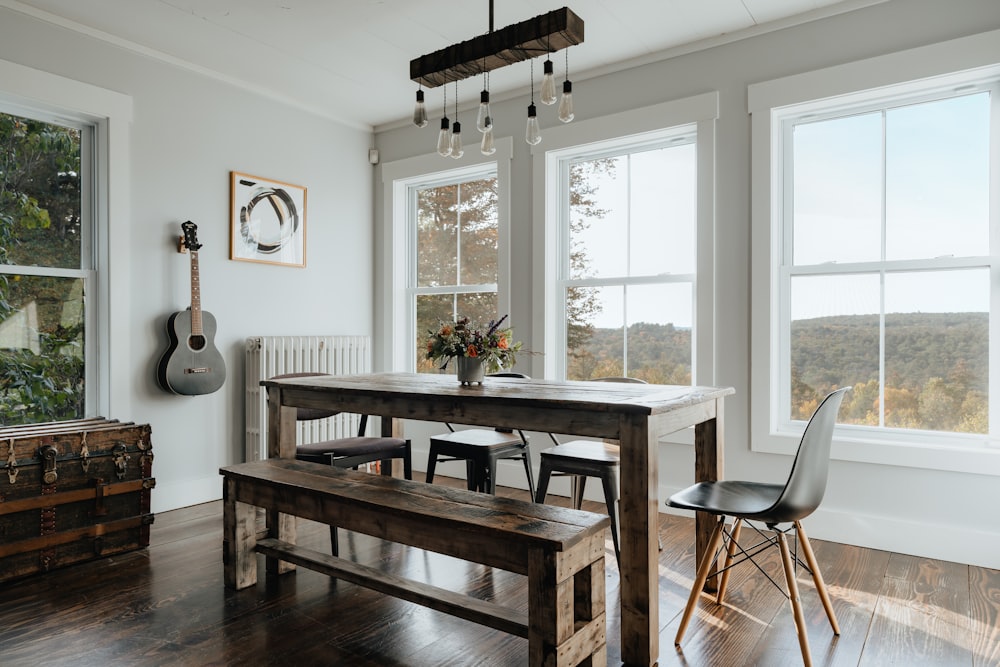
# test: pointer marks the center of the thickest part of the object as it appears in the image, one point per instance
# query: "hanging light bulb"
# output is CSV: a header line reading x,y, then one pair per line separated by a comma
x,y
484,121
548,91
456,140
487,146
566,103
444,136
532,133
420,111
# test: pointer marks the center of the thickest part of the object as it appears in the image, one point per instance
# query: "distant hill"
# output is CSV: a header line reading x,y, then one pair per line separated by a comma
x,y
918,346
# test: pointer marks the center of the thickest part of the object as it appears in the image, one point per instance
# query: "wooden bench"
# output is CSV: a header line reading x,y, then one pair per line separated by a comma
x,y
560,550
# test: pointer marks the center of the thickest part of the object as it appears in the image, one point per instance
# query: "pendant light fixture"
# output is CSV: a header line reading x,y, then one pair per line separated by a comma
x,y
532,134
544,34
444,136
566,103
456,131
419,110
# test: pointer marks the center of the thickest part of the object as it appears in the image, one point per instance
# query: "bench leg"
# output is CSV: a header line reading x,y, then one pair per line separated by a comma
x,y
566,610
239,537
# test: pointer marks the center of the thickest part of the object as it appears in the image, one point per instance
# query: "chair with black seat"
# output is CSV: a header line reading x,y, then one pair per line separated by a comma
x,y
772,505
350,452
580,459
481,449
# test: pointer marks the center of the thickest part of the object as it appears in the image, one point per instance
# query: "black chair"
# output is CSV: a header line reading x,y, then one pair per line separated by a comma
x,y
770,504
481,449
350,452
581,459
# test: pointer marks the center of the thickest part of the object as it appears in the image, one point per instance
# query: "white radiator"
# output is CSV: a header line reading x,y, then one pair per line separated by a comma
x,y
267,356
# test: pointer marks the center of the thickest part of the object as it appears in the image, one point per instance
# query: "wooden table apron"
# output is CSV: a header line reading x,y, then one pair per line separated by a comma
x,y
635,414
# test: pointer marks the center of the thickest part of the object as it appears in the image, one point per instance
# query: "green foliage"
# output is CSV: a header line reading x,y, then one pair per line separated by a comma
x,y
936,367
40,226
490,343
657,353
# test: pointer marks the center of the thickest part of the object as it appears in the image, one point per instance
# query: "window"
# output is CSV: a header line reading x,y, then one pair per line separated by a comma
x,y
628,296
46,269
875,262
446,249
456,235
628,253
60,281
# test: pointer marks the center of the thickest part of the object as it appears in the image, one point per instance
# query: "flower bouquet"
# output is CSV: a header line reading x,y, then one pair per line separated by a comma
x,y
491,345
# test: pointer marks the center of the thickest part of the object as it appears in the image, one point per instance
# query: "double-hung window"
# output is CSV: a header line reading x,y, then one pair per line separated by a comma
x,y
447,249
47,268
876,265
629,236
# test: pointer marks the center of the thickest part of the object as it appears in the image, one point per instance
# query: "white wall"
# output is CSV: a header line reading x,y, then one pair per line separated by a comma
x,y
188,133
940,514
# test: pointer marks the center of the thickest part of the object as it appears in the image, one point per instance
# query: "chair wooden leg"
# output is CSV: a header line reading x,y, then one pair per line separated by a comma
x,y
793,596
699,581
724,579
817,577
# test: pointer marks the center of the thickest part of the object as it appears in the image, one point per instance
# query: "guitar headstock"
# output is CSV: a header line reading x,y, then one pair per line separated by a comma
x,y
190,240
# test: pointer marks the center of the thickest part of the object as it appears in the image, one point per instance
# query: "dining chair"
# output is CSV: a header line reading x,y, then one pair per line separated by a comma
x,y
350,452
580,459
482,449
772,505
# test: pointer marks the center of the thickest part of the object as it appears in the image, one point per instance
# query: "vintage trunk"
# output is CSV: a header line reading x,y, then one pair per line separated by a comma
x,y
72,491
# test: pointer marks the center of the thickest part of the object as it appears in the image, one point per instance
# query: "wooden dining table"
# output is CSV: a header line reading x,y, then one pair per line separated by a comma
x,y
636,415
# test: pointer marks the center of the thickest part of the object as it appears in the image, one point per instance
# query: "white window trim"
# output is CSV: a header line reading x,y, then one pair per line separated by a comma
x,y
954,63
398,352
700,111
111,115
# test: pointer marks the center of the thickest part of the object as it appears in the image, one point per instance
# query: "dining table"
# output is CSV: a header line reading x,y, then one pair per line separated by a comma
x,y
635,415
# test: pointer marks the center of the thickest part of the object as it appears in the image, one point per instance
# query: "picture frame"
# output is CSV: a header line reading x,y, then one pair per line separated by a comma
x,y
267,221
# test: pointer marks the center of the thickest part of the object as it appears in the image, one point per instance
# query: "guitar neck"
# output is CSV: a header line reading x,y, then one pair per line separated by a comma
x,y
196,326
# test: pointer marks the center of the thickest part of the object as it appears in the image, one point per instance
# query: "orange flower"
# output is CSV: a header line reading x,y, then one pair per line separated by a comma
x,y
445,331
502,343
471,351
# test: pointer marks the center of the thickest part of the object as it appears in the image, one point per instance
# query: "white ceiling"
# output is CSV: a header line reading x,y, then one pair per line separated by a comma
x,y
349,59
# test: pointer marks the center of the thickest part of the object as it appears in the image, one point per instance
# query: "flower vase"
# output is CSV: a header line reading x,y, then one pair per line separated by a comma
x,y
470,369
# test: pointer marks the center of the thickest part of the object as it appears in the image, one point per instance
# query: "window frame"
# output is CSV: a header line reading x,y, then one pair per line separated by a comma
x,y
400,179
917,75
29,92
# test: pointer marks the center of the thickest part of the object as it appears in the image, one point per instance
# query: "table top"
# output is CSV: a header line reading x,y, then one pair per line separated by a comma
x,y
569,395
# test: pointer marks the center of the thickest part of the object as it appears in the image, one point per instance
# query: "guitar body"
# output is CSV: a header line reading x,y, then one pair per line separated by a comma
x,y
192,365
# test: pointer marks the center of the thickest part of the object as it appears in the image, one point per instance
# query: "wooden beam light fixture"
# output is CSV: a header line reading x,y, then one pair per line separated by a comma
x,y
543,34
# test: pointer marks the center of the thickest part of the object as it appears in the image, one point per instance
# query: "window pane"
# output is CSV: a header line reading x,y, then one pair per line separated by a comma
x,y
598,214
937,350
662,211
433,309
39,194
937,178
659,333
595,345
478,218
41,349
437,236
837,207
835,343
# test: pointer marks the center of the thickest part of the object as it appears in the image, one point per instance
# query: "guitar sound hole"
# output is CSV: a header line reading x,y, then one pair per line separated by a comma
x,y
196,342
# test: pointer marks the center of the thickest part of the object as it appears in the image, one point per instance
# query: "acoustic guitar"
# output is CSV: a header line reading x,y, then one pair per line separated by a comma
x,y
192,364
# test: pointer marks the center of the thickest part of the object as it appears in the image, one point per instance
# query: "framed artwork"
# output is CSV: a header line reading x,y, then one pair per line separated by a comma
x,y
267,221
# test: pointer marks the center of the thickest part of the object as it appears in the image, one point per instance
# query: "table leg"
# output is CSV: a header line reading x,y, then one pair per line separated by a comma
x,y
281,438
708,467
639,553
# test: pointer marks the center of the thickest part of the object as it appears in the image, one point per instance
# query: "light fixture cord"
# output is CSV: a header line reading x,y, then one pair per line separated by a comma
x,y
532,80
456,99
566,53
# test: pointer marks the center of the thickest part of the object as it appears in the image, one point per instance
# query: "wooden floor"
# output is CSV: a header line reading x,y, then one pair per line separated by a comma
x,y
166,605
